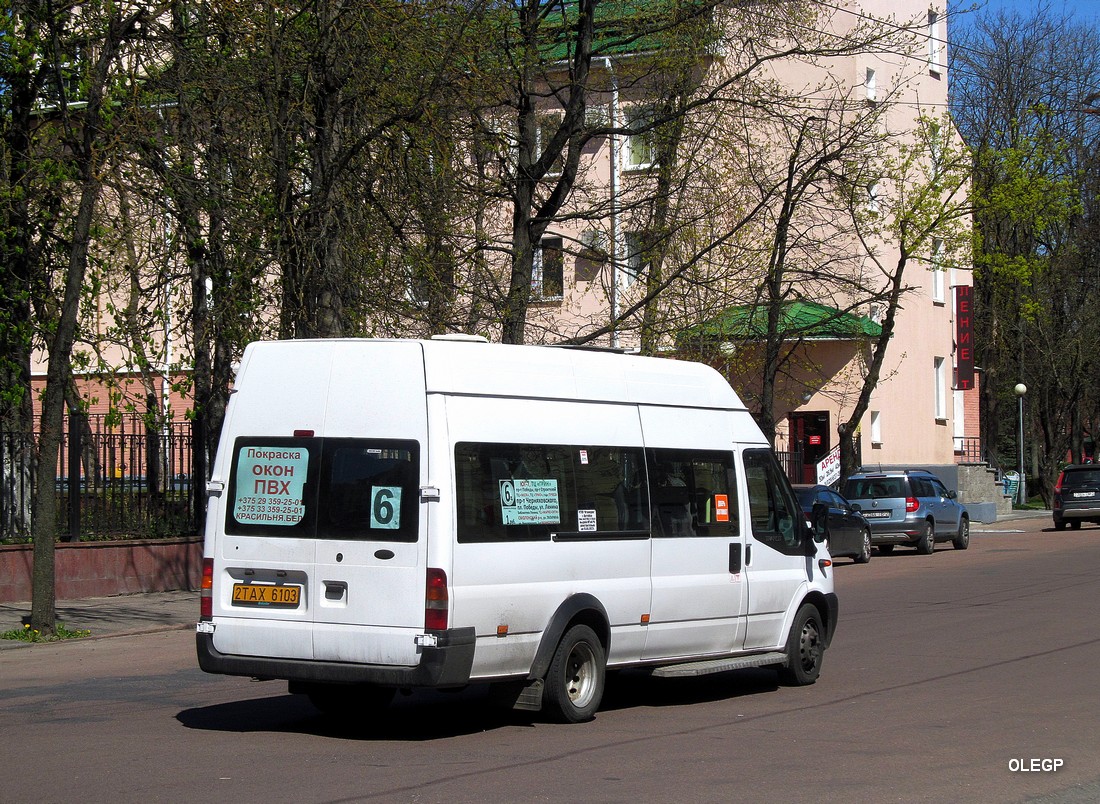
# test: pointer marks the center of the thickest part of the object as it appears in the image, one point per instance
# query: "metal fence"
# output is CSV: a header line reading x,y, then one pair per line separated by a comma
x,y
970,450
115,478
789,463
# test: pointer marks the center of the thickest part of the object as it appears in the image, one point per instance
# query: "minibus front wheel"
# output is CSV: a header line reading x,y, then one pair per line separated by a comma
x,y
576,677
805,648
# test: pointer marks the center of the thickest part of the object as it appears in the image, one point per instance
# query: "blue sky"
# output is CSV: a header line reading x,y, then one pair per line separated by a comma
x,y
1085,10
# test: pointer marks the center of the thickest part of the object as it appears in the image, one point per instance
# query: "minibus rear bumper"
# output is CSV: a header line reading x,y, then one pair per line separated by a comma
x,y
447,664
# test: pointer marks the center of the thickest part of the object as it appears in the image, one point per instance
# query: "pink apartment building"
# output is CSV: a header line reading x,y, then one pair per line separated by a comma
x,y
591,271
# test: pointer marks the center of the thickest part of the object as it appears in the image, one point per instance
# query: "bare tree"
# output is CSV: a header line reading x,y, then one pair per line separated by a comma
x,y
71,72
1024,100
927,199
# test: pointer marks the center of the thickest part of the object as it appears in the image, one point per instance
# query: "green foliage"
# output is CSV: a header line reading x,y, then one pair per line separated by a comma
x,y
28,634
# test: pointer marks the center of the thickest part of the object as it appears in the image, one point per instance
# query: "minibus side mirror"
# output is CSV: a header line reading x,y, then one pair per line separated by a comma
x,y
819,518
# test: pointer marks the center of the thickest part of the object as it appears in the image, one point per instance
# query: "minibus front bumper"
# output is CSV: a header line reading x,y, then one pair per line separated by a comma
x,y
447,664
832,606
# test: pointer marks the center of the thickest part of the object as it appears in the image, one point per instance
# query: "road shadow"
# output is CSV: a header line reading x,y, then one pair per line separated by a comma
x,y
419,716
631,689
434,715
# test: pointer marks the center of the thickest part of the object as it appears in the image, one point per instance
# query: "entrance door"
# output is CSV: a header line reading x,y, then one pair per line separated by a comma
x,y
810,439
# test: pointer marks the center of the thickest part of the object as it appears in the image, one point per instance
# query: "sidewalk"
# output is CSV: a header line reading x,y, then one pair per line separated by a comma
x,y
1028,513
110,616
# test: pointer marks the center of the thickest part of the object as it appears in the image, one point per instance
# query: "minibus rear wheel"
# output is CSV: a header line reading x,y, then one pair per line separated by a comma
x,y
575,680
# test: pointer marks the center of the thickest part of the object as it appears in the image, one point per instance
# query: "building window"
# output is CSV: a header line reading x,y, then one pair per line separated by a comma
x,y
935,43
874,191
546,274
544,132
876,427
417,293
939,272
639,152
940,371
593,255
636,259
870,85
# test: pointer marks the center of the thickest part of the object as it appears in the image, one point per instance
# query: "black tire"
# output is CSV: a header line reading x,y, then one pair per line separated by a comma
x,y
1059,524
351,701
575,681
962,538
1075,524
805,648
864,554
927,544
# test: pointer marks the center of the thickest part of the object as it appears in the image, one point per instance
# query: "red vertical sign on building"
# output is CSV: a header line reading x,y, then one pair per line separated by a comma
x,y
964,337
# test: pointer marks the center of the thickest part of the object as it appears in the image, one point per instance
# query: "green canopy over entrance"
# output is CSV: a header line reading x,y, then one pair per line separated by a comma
x,y
798,320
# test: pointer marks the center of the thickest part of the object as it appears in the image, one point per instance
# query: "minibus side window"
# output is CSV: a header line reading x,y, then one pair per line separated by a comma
x,y
693,493
777,520
531,492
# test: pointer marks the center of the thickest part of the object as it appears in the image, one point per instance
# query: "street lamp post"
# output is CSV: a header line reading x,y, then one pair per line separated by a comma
x,y
1021,389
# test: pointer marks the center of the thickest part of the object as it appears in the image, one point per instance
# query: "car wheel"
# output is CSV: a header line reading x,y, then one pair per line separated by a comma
x,y
865,548
805,648
1059,524
575,680
962,540
927,544
1075,524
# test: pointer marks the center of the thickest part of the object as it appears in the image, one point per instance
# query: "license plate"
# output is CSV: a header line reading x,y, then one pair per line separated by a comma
x,y
876,514
1078,494
260,594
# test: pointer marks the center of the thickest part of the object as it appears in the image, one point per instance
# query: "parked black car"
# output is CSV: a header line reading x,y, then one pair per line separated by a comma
x,y
846,531
1077,496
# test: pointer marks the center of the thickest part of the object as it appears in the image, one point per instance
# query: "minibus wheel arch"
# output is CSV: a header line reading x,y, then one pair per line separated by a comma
x,y
579,609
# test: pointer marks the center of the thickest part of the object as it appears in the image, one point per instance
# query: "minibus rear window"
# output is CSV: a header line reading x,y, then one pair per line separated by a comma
x,y
334,488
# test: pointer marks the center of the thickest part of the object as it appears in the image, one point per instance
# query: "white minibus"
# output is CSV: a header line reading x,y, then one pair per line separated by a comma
x,y
397,514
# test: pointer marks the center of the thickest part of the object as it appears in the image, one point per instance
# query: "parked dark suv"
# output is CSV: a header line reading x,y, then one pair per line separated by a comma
x,y
910,507
1077,496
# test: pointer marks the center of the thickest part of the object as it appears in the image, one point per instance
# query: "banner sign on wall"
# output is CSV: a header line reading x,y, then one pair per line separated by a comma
x,y
964,337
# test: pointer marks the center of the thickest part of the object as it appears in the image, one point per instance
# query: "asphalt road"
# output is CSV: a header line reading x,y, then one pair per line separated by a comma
x,y
950,678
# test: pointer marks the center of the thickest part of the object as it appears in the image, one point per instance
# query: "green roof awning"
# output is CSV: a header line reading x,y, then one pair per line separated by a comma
x,y
798,320
631,27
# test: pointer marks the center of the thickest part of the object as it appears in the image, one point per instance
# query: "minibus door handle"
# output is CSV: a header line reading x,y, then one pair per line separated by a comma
x,y
735,558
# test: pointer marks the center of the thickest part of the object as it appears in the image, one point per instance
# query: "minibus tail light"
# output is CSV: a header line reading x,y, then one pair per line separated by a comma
x,y
911,504
206,590
436,602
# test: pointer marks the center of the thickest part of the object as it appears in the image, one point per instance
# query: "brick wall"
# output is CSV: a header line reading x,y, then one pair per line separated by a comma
x,y
100,569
